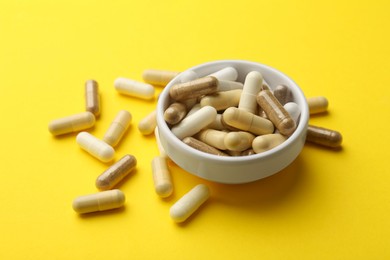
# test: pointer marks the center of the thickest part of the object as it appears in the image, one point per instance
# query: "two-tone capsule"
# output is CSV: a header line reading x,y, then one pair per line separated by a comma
x,y
73,123
158,77
101,201
95,147
134,88
117,128
161,177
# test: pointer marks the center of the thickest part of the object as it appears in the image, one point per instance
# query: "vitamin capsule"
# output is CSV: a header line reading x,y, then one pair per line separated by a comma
x,y
194,89
117,172
276,112
189,203
194,123
188,75
264,143
317,105
97,148
247,121
225,85
228,73
117,128
175,113
238,141
201,146
323,136
161,177
147,125
134,88
222,100
104,200
252,87
189,103
158,77
212,137
92,100
73,123
217,123
283,94
293,110
159,145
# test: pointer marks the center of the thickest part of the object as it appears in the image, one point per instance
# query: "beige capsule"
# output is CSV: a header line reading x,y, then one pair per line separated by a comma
x,y
147,125
264,143
73,123
201,146
161,177
175,113
283,94
226,85
158,77
212,137
194,89
317,105
238,141
222,100
92,99
117,172
100,201
323,136
117,128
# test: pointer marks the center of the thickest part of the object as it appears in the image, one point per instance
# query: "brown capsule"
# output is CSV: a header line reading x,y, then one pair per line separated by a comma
x,y
194,89
175,113
201,146
92,100
283,94
158,77
117,172
276,112
323,136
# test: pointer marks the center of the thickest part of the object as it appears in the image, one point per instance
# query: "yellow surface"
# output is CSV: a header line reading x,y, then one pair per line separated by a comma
x,y
326,205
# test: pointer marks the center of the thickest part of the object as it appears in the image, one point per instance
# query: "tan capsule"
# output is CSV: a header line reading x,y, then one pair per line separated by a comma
x,y
194,89
147,125
73,123
117,172
283,94
264,143
158,77
317,104
161,177
100,201
212,137
238,141
323,136
117,128
276,112
201,146
222,100
252,87
175,113
247,121
92,99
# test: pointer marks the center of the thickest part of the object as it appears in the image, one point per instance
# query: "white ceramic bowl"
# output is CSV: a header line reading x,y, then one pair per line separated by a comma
x,y
237,169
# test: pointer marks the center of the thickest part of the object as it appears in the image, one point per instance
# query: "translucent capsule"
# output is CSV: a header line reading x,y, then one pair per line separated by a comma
x,y
228,73
100,201
158,77
252,87
147,125
117,128
212,137
92,99
238,141
283,94
73,123
225,85
293,110
317,104
134,88
194,123
175,113
222,100
194,89
97,148
188,75
264,143
117,172
276,112
323,136
247,121
201,146
161,177
189,203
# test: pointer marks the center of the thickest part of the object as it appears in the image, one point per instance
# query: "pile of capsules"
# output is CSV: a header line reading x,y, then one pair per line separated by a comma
x,y
227,134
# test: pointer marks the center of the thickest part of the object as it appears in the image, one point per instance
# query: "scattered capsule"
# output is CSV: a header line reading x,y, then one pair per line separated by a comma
x,y
228,73
247,121
212,137
97,148
222,100
104,200
158,77
161,177
117,128
134,88
252,87
175,113
194,89
264,143
147,125
201,146
317,105
283,94
92,99
323,136
188,75
238,141
225,85
73,123
189,203
276,112
117,172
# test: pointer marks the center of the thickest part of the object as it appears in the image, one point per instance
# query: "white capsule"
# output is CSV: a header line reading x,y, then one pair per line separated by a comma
x,y
97,148
252,86
189,203
226,85
134,88
188,75
195,122
147,125
294,110
228,73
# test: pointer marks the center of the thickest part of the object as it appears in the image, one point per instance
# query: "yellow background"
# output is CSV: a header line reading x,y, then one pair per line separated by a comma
x,y
326,205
